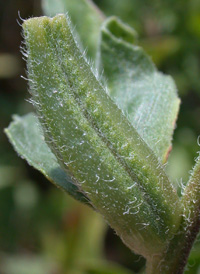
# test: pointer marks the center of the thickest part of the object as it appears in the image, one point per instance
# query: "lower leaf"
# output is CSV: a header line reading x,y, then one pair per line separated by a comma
x,y
27,138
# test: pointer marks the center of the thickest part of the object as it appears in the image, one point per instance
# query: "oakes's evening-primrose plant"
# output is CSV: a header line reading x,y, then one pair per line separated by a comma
x,y
106,146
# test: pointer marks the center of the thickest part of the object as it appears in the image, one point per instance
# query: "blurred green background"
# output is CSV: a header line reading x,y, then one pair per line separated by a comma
x,y
44,231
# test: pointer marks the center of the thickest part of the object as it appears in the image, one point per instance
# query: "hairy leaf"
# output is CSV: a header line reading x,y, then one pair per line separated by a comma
x,y
191,198
27,138
95,143
148,97
85,16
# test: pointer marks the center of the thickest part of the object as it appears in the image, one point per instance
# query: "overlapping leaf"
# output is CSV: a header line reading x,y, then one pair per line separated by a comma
x,y
148,97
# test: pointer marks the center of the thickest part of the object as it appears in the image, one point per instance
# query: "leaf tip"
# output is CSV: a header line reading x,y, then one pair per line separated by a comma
x,y
119,30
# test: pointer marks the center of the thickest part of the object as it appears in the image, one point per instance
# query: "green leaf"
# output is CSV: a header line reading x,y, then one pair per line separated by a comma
x,y
27,138
85,16
191,199
95,143
148,97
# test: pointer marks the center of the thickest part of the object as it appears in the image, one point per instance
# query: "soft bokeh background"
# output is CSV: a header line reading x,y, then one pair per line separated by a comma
x,y
44,231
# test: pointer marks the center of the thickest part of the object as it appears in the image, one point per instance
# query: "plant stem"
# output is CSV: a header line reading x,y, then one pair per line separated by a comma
x,y
175,258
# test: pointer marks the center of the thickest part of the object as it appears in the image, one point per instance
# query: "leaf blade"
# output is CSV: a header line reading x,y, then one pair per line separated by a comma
x,y
148,97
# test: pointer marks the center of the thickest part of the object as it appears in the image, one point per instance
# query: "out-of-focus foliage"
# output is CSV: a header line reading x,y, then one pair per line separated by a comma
x,y
43,230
